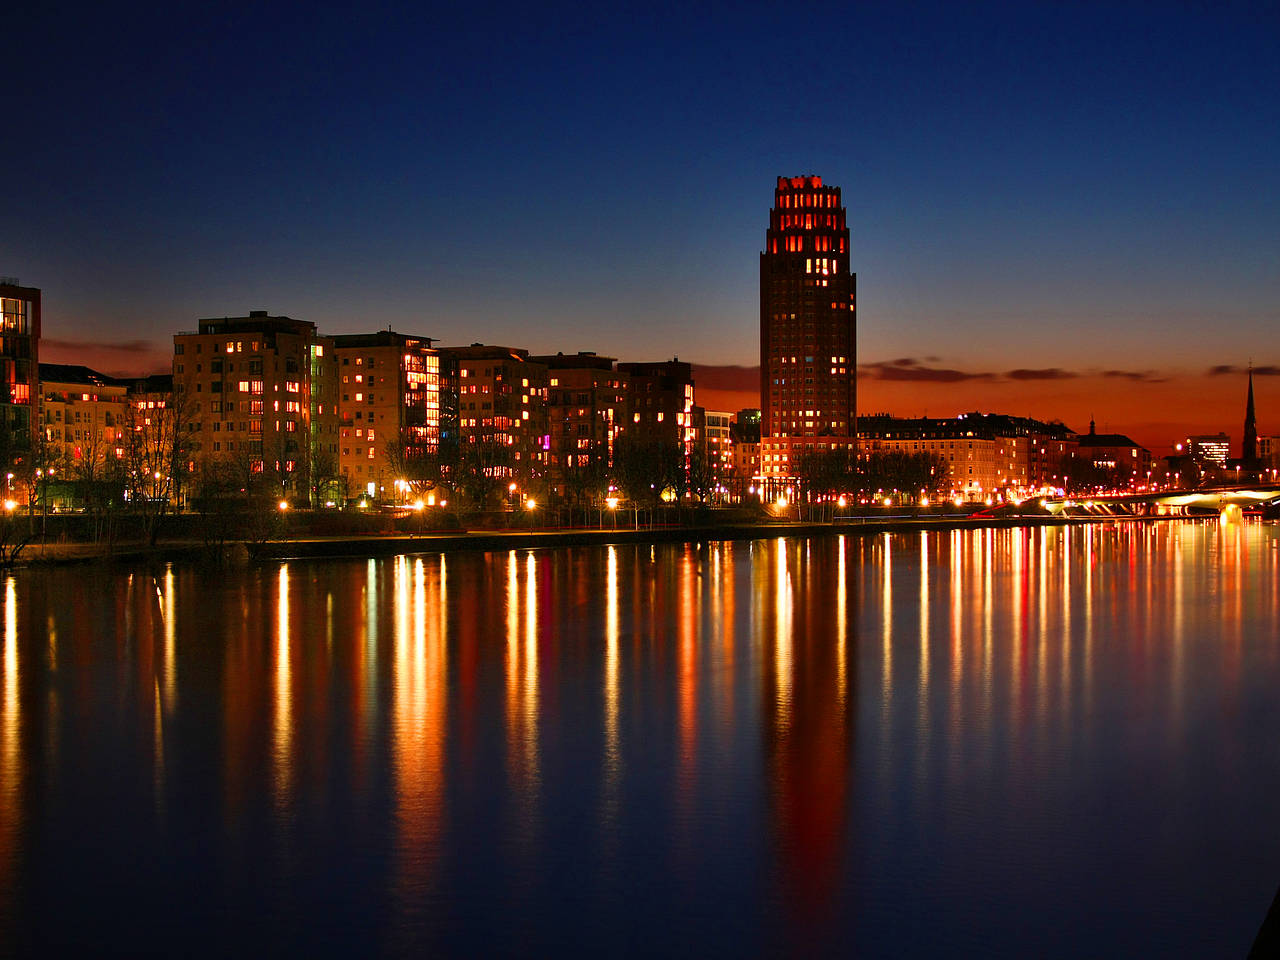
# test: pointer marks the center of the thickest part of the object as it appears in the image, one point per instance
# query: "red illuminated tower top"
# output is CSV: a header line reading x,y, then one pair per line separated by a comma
x,y
808,351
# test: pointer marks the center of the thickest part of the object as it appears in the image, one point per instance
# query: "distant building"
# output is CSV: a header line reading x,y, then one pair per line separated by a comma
x,y
983,454
1210,450
19,371
1111,460
1051,453
808,349
1269,453
389,404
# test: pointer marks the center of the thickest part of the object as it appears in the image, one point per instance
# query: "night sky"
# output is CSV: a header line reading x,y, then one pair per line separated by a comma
x,y
1056,209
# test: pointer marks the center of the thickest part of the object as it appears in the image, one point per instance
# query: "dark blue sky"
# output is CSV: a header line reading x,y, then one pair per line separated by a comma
x,y
1039,183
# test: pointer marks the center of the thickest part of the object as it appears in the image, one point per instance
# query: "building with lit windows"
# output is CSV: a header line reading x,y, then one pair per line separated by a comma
x,y
586,409
983,455
660,403
83,418
1115,458
501,410
808,350
744,433
19,370
715,427
388,407
1052,451
1210,450
1269,453
245,386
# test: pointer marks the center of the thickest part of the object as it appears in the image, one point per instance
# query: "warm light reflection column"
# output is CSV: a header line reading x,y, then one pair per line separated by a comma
x,y
282,722
612,756
10,756
419,723
522,694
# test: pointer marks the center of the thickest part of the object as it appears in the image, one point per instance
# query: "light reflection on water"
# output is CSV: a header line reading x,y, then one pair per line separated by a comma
x,y
1050,741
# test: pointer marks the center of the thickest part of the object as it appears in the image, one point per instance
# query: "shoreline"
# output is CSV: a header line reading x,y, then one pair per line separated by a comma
x,y
383,545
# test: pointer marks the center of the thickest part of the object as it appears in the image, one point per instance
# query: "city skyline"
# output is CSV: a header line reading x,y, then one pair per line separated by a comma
x,y
1052,214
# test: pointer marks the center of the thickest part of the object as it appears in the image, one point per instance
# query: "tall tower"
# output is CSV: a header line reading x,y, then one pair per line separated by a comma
x,y
1249,449
808,350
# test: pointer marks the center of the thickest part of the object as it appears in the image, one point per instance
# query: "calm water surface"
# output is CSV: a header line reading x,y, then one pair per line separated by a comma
x,y
1060,742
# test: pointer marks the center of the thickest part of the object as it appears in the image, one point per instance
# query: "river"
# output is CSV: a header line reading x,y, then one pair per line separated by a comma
x,y
1017,742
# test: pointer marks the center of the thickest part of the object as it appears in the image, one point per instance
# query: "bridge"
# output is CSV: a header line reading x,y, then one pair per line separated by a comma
x,y
1225,501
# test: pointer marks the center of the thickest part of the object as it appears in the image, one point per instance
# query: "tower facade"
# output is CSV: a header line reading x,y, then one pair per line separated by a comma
x,y
808,307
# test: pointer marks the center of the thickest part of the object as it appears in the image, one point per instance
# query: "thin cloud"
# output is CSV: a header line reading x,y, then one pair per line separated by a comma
x,y
1138,376
1047,373
1230,369
908,369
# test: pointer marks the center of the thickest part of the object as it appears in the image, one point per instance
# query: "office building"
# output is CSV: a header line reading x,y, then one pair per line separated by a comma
x,y
1209,450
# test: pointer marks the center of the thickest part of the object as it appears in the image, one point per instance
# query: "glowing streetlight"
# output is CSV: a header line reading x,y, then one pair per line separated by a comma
x,y
612,502
10,505
842,501
283,505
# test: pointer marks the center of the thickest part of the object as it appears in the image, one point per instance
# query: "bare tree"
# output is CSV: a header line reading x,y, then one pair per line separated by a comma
x,y
157,451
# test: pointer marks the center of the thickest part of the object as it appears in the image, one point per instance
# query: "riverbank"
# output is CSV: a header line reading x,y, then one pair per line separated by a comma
x,y
381,545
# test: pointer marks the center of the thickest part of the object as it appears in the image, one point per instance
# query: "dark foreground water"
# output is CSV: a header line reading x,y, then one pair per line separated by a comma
x,y
1019,742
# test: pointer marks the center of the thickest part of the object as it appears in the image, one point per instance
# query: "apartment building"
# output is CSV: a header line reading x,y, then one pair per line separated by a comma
x,y
253,392
501,409
389,407
586,408
83,417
